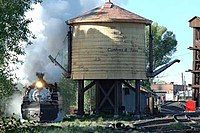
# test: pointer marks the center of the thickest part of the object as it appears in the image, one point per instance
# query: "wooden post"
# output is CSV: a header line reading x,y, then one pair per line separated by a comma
x,y
69,66
116,105
137,97
80,97
97,97
108,96
196,96
151,51
151,105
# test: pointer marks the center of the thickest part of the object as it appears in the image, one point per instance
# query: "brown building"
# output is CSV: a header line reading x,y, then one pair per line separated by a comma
x,y
167,92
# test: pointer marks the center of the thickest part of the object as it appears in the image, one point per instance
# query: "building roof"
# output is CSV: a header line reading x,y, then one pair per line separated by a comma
x,y
195,17
194,22
143,90
109,13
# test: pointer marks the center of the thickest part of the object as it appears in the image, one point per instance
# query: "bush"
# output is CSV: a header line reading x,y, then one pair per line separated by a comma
x,y
68,91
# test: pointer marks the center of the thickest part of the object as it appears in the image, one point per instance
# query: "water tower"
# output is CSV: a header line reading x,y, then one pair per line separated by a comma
x,y
195,24
107,46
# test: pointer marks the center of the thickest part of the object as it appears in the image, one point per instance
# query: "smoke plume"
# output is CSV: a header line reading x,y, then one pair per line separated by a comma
x,y
13,105
50,29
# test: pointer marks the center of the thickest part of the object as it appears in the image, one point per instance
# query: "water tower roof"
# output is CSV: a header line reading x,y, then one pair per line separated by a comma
x,y
109,13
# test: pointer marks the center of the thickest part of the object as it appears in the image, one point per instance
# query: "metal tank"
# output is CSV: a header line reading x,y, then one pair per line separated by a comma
x,y
108,43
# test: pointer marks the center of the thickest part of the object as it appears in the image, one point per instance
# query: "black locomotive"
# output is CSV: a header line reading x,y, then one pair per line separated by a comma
x,y
42,101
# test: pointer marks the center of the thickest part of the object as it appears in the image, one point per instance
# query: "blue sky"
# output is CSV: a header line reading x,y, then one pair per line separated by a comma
x,y
173,14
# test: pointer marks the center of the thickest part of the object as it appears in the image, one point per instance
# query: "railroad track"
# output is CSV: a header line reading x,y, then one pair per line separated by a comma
x,y
182,122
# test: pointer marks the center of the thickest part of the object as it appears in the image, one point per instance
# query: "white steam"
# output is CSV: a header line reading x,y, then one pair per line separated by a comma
x,y
50,29
13,105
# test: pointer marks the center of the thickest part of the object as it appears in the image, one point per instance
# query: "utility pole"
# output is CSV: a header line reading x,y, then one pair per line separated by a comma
x,y
184,86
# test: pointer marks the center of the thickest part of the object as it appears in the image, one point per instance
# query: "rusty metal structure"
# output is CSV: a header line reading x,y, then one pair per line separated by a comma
x,y
195,24
107,47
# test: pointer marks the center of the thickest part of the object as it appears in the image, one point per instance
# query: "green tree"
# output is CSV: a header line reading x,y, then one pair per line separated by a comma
x,y
14,32
164,44
89,98
68,91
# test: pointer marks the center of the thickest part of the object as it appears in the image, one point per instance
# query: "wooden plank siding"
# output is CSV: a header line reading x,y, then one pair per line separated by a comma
x,y
109,51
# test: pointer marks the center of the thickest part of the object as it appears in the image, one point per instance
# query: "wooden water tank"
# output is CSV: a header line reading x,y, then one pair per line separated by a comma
x,y
108,43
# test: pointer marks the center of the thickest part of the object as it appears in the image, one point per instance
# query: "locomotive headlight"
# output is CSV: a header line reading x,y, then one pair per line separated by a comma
x,y
39,84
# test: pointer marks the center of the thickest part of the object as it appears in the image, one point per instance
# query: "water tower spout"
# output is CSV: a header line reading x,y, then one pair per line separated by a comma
x,y
158,71
152,73
66,74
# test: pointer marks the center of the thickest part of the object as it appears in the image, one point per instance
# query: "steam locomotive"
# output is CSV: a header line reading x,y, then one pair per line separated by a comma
x,y
42,101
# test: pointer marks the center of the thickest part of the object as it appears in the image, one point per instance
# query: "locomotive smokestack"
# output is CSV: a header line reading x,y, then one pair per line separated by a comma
x,y
40,75
40,83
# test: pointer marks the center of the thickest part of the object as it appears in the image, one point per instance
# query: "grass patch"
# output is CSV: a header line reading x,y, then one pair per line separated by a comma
x,y
72,124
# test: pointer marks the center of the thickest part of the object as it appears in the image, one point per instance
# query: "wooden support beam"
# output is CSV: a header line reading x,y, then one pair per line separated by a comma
x,y
151,105
106,96
196,96
128,85
69,64
97,97
137,97
117,97
90,85
80,97
193,48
